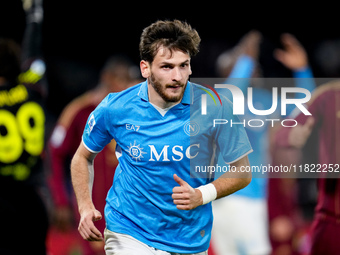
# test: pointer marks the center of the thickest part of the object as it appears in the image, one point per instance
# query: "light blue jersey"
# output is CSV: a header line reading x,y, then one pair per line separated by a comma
x,y
151,148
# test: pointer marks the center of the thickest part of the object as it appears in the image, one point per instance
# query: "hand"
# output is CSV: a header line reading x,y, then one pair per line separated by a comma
x,y
293,56
86,227
298,135
184,196
282,228
250,44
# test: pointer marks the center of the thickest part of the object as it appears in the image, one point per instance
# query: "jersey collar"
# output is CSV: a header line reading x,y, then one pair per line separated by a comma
x,y
143,93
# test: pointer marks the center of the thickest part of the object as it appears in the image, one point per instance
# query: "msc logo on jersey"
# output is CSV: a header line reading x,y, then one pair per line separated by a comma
x,y
135,151
191,128
166,153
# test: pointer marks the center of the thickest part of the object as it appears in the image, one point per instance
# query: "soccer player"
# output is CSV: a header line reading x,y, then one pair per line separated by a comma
x,y
325,109
23,211
22,128
154,206
238,234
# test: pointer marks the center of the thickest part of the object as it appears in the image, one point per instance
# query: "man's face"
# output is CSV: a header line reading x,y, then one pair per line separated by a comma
x,y
168,74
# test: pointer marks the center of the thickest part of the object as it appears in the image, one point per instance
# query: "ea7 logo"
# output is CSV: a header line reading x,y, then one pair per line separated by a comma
x,y
177,151
132,127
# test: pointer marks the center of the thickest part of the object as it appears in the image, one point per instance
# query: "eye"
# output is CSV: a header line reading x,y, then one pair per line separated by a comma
x,y
184,65
166,67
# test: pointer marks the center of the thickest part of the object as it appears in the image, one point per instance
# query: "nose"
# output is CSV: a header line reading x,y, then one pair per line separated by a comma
x,y
176,74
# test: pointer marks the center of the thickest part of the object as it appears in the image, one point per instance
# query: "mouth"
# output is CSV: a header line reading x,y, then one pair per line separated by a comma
x,y
175,86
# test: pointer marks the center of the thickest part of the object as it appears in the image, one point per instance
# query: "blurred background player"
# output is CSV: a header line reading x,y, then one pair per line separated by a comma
x,y
231,235
325,109
243,232
117,74
22,138
22,125
290,200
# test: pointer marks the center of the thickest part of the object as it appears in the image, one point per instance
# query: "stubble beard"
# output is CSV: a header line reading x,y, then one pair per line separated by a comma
x,y
161,90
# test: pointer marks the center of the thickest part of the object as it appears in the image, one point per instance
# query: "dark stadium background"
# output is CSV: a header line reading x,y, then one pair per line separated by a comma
x,y
78,36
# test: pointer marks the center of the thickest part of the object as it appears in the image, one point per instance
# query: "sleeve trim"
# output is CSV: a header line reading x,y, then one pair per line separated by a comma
x,y
82,140
245,154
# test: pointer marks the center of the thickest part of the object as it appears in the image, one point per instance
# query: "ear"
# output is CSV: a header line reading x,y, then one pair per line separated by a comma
x,y
145,69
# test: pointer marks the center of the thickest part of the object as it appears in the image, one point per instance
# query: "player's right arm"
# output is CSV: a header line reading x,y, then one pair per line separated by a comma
x,y
95,137
82,173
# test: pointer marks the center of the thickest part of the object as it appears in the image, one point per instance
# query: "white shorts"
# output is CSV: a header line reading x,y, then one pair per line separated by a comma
x,y
240,226
121,244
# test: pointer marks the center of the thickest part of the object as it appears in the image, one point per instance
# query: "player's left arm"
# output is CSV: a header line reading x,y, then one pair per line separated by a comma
x,y
237,178
186,197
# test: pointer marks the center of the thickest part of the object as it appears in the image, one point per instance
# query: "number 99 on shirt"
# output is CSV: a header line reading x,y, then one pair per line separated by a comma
x,y
23,131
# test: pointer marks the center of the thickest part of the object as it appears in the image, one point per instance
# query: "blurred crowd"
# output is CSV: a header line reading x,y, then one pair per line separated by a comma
x,y
272,215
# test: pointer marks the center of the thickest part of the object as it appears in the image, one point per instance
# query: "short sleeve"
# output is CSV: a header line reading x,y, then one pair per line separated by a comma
x,y
96,135
232,139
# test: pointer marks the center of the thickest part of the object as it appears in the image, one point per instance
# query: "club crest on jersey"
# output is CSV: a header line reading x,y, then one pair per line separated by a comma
x,y
135,151
191,128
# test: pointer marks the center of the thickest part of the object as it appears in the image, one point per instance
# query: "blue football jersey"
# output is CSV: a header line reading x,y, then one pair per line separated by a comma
x,y
151,148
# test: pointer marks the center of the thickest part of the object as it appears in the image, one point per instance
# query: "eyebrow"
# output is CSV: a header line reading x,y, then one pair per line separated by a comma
x,y
168,63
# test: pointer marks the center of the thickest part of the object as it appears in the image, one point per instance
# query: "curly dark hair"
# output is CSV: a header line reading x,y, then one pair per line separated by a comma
x,y
174,35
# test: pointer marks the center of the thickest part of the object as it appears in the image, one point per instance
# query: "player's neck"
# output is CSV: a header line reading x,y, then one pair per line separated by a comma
x,y
161,103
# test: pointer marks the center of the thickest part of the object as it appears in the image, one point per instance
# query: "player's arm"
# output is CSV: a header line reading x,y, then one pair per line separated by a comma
x,y
293,55
245,64
82,174
187,198
234,180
